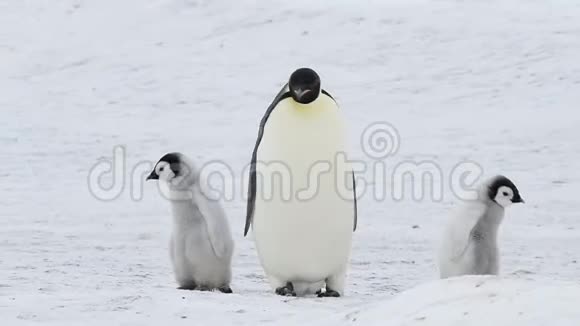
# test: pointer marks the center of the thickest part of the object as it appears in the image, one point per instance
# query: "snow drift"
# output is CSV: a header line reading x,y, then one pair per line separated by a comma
x,y
475,301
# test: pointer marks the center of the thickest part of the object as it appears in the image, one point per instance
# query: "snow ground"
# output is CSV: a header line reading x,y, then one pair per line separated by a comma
x,y
476,301
495,82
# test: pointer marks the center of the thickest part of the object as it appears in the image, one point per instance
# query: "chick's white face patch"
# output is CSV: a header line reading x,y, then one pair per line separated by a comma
x,y
163,170
504,196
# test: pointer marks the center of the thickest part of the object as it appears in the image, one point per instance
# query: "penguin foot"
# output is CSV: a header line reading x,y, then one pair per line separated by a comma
x,y
329,293
189,287
225,289
287,290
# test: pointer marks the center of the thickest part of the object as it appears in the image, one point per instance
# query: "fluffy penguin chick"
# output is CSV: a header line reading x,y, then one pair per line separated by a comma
x,y
469,245
201,242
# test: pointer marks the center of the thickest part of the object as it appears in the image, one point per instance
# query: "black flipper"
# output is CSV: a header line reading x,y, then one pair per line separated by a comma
x,y
354,199
283,94
353,180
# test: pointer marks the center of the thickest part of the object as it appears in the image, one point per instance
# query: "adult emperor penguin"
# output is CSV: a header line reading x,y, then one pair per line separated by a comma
x,y
201,244
303,211
469,245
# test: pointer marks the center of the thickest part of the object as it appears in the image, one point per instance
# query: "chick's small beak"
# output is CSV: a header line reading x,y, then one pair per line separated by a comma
x,y
519,200
152,176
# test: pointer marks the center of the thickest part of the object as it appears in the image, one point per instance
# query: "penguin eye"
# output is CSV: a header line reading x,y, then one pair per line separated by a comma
x,y
163,168
504,193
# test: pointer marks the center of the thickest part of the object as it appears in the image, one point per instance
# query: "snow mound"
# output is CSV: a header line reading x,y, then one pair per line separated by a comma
x,y
475,301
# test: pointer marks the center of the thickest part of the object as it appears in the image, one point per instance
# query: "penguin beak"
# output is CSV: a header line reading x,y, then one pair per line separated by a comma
x,y
153,176
518,199
300,92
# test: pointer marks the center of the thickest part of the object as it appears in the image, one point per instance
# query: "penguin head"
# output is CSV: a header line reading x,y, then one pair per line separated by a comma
x,y
168,168
504,192
304,85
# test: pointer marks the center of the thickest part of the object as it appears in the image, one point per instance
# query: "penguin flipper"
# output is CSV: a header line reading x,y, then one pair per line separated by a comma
x,y
216,222
465,221
355,204
282,94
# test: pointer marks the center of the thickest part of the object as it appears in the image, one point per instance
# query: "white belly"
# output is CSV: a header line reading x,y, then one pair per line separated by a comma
x,y
303,235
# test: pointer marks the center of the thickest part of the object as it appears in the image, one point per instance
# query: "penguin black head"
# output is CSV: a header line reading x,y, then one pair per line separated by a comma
x,y
167,168
504,192
304,85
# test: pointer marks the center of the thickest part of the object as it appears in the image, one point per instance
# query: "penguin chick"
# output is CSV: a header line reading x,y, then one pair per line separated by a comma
x,y
469,245
201,244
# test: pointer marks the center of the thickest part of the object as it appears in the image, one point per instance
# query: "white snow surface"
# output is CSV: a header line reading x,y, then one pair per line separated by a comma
x,y
475,301
494,82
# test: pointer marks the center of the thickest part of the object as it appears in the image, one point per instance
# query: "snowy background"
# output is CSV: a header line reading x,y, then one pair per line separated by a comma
x,y
495,82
